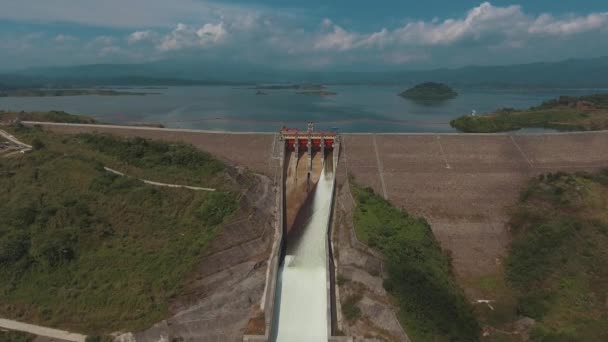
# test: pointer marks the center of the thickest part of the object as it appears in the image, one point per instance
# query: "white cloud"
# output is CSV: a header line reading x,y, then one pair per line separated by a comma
x,y
547,24
185,37
140,36
211,33
337,39
266,36
479,21
378,39
503,27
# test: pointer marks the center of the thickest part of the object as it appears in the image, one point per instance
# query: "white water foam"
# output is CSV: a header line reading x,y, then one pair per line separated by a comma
x,y
301,301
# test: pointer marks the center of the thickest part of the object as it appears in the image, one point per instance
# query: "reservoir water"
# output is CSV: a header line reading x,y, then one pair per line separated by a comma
x,y
301,301
362,108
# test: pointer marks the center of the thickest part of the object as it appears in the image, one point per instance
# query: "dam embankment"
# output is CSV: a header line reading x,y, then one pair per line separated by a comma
x,y
464,184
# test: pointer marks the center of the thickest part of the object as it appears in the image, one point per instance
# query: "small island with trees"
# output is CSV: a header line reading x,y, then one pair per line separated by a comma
x,y
429,91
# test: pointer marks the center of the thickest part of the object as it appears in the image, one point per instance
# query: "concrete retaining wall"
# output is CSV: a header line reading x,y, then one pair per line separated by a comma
x,y
275,258
330,269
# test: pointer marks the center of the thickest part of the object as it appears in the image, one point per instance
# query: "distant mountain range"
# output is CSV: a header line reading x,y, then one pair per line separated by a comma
x,y
570,73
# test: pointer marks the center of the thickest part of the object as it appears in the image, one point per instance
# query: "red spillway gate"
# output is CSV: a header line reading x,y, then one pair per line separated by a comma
x,y
295,137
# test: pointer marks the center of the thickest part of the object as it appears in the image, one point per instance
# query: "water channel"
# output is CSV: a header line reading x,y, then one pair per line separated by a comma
x,y
301,303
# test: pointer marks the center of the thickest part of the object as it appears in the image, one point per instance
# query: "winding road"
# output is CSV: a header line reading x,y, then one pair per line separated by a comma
x,y
15,141
161,184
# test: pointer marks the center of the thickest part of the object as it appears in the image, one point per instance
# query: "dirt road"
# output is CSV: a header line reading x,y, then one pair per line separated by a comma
x,y
41,331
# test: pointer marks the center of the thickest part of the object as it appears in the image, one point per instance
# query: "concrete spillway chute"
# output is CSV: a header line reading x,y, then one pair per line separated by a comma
x,y
302,300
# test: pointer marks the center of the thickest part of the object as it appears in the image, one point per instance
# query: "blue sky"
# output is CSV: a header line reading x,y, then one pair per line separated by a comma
x,y
298,34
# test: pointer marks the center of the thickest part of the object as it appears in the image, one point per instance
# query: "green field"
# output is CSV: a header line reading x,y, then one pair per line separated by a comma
x,y
585,113
432,306
557,260
89,251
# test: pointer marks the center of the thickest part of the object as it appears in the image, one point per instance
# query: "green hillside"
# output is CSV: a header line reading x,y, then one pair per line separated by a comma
x,y
86,250
432,306
556,262
566,113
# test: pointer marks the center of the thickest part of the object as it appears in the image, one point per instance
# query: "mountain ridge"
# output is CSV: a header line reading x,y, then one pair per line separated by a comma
x,y
567,73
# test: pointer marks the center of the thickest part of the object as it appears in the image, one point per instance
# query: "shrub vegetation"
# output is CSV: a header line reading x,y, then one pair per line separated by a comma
x,y
150,154
15,336
90,251
51,116
556,262
432,306
164,162
350,309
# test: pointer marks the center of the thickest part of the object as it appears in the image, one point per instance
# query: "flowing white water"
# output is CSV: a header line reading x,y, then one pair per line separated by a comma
x,y
301,301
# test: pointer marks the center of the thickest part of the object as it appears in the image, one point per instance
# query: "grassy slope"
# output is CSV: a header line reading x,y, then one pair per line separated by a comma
x,y
558,257
432,307
14,336
561,114
86,250
52,116
140,158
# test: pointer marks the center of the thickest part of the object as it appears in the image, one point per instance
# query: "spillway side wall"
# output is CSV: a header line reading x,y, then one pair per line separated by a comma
x,y
269,299
334,289
329,255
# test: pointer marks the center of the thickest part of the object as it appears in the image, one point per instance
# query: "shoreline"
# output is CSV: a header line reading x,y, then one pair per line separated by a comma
x,y
341,133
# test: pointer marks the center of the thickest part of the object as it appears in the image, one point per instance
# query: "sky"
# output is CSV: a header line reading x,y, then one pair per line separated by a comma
x,y
338,35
